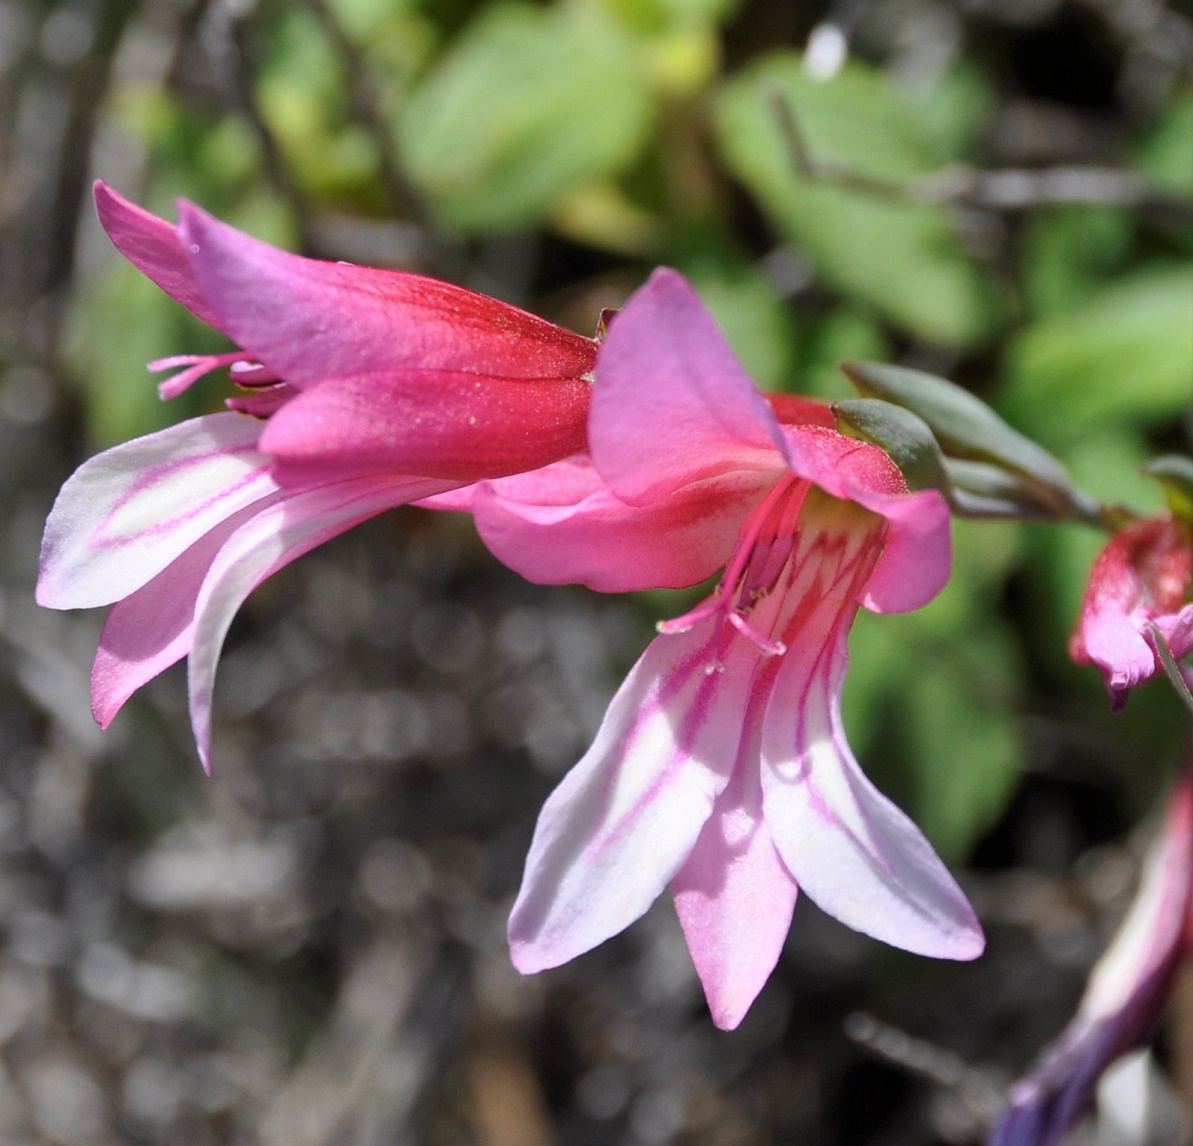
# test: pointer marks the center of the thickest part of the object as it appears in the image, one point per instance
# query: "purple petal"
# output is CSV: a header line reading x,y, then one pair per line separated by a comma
x,y
154,248
562,525
125,514
1126,995
671,404
267,542
735,899
626,817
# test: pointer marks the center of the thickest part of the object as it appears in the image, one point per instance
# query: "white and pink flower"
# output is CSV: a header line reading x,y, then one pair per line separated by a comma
x,y
721,767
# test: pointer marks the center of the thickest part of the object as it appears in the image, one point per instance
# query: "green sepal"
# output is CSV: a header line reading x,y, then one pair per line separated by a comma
x,y
964,425
904,436
967,429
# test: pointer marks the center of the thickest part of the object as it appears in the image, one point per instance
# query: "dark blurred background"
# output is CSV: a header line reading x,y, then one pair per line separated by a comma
x,y
309,948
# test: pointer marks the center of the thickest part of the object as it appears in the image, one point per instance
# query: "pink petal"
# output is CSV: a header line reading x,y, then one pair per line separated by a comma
x,y
735,899
626,817
671,405
849,848
154,248
268,541
917,555
152,628
310,321
561,524
456,424
125,514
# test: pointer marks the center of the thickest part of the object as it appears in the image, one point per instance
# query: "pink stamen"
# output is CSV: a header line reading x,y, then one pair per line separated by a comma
x,y
763,548
198,366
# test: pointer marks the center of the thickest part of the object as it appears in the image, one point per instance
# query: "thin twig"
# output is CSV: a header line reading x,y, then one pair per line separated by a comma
x,y
960,185
406,198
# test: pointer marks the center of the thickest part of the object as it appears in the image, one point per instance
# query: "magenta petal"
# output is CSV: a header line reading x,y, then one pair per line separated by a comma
x,y
856,855
734,899
625,819
310,321
671,404
125,514
453,424
562,525
154,248
917,556
268,541
1116,644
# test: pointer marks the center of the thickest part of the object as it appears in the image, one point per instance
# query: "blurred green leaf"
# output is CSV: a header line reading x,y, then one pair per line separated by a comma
x,y
1125,355
526,104
930,698
1167,154
954,111
120,394
303,97
904,259
757,323
843,334
1069,252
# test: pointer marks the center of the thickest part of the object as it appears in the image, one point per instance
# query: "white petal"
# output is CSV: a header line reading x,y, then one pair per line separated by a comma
x,y
281,533
123,516
850,849
626,817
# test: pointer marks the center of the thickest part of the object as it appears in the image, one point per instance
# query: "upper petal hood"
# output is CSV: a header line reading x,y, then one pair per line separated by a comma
x,y
152,245
671,404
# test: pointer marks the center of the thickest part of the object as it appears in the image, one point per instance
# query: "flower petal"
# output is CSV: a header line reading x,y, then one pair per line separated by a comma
x,y
735,899
125,514
561,525
151,629
310,321
456,424
917,557
850,849
268,541
917,553
154,248
671,403
626,817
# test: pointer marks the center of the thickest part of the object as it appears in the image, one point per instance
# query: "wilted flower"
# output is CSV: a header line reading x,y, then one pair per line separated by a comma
x,y
1126,994
367,389
1141,579
722,767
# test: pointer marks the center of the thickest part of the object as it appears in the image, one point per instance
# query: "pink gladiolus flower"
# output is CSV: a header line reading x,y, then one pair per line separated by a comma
x,y
1127,991
1140,579
722,767
368,389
